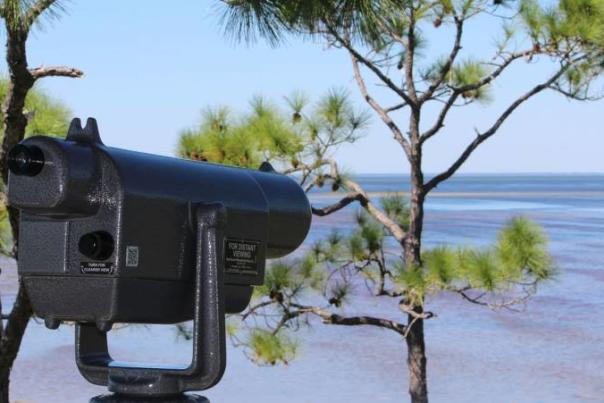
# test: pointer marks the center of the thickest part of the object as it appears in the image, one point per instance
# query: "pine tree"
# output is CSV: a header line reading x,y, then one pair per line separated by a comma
x,y
385,40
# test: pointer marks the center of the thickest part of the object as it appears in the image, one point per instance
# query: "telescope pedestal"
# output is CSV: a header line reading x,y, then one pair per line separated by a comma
x,y
116,398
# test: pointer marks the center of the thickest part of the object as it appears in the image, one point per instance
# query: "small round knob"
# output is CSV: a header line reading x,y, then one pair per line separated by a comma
x,y
96,245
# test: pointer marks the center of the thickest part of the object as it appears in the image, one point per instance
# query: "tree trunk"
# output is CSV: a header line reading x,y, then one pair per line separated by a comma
x,y
21,81
4,388
416,348
14,124
416,359
11,339
4,398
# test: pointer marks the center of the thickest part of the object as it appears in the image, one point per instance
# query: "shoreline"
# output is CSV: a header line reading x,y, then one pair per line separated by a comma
x,y
463,195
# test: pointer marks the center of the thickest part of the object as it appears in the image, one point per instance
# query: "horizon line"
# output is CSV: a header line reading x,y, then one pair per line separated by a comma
x,y
545,173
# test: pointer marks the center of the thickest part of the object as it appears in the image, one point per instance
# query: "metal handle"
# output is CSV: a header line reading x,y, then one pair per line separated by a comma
x,y
209,350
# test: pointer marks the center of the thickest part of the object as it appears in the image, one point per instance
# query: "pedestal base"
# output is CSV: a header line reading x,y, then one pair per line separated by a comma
x,y
116,398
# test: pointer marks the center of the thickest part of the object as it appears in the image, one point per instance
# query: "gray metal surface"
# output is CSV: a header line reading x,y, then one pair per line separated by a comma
x,y
146,204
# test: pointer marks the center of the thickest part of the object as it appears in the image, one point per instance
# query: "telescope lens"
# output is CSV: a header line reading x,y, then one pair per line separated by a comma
x,y
25,160
96,245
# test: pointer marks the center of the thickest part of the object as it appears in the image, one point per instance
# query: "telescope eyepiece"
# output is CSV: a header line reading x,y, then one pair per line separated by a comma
x,y
25,160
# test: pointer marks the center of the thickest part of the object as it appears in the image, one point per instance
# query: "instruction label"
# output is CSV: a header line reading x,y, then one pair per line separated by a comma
x,y
241,256
96,267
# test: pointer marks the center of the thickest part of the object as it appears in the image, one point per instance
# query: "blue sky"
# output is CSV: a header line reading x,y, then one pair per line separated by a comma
x,y
152,67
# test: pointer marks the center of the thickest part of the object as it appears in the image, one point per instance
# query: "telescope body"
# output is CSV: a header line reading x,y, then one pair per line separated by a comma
x,y
108,235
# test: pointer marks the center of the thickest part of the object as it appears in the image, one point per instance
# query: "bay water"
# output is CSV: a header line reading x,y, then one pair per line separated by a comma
x,y
552,351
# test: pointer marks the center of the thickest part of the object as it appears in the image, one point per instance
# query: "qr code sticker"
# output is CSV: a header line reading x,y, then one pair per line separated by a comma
x,y
131,256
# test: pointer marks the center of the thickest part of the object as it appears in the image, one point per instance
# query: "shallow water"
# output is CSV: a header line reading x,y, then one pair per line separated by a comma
x,y
552,352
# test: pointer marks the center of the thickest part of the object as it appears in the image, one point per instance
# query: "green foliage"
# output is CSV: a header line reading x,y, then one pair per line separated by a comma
x,y
46,115
575,27
567,22
441,266
232,325
269,348
522,246
513,265
469,72
286,278
562,29
17,13
518,256
221,139
336,112
397,208
309,271
368,239
372,234
480,270
5,231
412,281
277,277
270,18
292,139
338,293
356,247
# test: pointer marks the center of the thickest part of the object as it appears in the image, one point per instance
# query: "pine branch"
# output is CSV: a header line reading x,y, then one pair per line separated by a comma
x,y
411,311
482,137
446,68
35,10
507,61
529,292
371,66
253,309
395,230
398,135
332,208
440,120
457,91
396,107
335,319
55,71
574,96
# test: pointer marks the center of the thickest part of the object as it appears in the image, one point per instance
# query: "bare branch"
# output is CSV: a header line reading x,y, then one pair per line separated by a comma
x,y
252,309
456,92
574,96
446,68
395,230
528,292
497,72
396,107
408,309
398,135
345,201
335,319
371,66
481,137
440,120
55,71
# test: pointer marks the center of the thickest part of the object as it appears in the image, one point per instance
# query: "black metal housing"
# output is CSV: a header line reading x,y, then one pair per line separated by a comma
x,y
108,235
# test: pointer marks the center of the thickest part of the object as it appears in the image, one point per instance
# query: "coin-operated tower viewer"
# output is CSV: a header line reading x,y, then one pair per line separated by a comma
x,y
109,235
